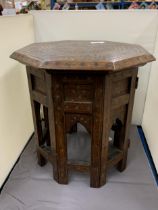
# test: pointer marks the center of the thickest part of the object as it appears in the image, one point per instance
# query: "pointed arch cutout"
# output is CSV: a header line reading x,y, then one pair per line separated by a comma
x,y
79,146
73,119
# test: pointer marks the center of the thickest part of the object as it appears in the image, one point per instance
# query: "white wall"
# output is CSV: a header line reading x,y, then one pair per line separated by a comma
x,y
150,117
15,114
133,26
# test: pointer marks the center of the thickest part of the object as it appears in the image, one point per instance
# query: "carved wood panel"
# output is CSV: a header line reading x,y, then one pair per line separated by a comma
x,y
97,101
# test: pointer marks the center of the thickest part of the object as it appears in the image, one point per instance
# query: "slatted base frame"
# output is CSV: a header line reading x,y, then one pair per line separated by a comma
x,y
100,101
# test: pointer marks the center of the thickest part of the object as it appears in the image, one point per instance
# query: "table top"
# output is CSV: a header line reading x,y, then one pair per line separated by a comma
x,y
83,55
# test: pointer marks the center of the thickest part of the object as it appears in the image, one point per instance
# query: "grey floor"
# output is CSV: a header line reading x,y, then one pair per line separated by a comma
x,y
31,187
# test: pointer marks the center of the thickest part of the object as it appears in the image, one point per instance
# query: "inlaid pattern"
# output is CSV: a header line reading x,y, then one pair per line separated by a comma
x,y
90,55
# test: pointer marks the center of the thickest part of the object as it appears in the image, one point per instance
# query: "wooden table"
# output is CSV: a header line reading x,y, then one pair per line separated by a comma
x,y
87,82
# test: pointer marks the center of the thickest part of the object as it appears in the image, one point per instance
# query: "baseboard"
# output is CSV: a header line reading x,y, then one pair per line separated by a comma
x,y
1,188
148,153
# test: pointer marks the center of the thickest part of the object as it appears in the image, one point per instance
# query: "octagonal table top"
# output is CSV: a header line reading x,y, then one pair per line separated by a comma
x,y
83,55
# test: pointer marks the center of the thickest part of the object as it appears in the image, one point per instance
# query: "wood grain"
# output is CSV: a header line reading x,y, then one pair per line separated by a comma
x,y
90,55
82,82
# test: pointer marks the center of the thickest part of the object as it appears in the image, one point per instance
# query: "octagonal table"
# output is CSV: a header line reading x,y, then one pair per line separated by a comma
x,y
87,82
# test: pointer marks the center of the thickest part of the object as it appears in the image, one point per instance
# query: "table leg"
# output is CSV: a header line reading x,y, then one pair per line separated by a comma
x,y
57,128
100,131
37,123
121,135
38,131
46,123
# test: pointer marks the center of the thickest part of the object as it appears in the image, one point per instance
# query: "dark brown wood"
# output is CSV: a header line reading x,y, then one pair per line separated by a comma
x,y
90,55
47,153
106,128
114,155
125,128
46,122
36,120
97,127
80,166
61,147
51,120
72,119
92,83
73,129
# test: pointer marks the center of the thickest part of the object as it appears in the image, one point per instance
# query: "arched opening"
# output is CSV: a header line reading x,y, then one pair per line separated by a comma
x,y
115,140
42,124
78,145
